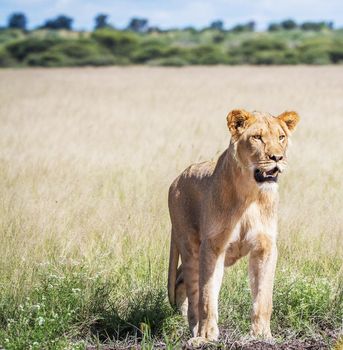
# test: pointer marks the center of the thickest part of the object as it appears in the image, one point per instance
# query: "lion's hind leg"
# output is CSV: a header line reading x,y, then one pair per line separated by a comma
x,y
181,299
189,273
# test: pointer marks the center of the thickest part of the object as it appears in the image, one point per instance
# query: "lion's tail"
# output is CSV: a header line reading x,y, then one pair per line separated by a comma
x,y
172,273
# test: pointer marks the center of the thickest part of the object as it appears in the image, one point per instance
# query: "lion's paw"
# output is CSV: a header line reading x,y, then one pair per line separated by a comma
x,y
197,342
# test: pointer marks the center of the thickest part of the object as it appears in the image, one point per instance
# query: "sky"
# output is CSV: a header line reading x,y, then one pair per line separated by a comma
x,y
175,13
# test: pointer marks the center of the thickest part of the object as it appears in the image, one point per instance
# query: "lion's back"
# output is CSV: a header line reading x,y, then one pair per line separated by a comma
x,y
187,190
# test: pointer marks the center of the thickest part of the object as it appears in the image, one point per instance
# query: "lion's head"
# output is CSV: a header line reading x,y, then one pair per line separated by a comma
x,y
260,141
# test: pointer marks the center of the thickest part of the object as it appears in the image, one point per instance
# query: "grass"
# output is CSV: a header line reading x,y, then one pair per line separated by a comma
x,y
86,158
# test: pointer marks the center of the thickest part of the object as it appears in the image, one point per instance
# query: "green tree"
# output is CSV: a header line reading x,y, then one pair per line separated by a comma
x,y
247,27
17,21
139,25
101,21
316,26
60,22
218,25
273,27
288,24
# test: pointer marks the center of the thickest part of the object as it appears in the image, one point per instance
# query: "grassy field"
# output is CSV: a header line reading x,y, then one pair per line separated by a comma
x,y
86,159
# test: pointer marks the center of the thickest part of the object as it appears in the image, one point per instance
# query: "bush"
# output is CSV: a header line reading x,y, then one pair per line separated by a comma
x,y
22,48
6,60
207,54
73,53
336,55
107,46
119,43
316,50
315,56
262,50
264,43
46,59
7,35
76,49
268,57
218,38
149,51
170,61
316,26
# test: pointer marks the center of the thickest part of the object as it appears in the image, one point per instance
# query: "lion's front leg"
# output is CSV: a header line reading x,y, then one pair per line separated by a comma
x,y
211,275
262,265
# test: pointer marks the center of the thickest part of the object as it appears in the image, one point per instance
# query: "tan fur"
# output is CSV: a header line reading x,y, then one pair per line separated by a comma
x,y
219,213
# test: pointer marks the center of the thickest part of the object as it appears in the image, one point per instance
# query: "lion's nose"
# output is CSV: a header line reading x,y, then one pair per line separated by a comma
x,y
275,157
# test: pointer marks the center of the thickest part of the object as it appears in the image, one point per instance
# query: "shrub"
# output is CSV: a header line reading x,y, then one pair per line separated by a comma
x,y
149,51
173,61
22,48
119,43
107,46
315,56
264,43
76,49
207,54
84,52
6,60
290,56
268,57
262,50
248,27
316,26
7,35
336,52
218,38
73,53
46,59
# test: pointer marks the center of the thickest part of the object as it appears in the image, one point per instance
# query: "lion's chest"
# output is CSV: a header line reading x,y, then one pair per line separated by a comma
x,y
252,227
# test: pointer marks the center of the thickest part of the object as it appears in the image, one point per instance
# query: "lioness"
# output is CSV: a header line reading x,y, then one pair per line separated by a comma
x,y
220,211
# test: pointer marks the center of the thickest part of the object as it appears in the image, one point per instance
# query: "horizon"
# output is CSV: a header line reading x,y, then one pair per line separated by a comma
x,y
196,13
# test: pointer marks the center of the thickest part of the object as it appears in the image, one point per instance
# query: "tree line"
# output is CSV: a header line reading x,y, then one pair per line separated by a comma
x,y
18,20
55,44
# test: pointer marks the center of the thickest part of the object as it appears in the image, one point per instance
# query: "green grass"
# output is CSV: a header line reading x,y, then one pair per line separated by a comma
x,y
70,305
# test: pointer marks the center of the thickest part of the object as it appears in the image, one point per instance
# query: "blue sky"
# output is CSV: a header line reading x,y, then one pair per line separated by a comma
x,y
176,13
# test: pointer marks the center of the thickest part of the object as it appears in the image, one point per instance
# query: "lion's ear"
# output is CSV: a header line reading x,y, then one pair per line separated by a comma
x,y
238,120
291,119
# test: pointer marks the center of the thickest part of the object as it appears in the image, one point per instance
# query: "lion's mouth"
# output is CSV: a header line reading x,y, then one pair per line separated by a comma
x,y
266,176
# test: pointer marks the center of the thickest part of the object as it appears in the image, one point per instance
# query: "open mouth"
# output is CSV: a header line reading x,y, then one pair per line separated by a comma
x,y
266,176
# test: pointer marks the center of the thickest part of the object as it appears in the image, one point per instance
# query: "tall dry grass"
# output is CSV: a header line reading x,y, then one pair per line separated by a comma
x,y
87,155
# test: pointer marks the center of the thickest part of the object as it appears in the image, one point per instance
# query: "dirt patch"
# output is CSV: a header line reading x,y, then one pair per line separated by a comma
x,y
308,344
291,345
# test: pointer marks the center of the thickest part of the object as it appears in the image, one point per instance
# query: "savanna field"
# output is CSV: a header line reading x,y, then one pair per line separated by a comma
x,y
86,159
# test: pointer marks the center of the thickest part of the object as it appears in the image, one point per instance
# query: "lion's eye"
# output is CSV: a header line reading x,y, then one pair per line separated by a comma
x,y
257,137
281,137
